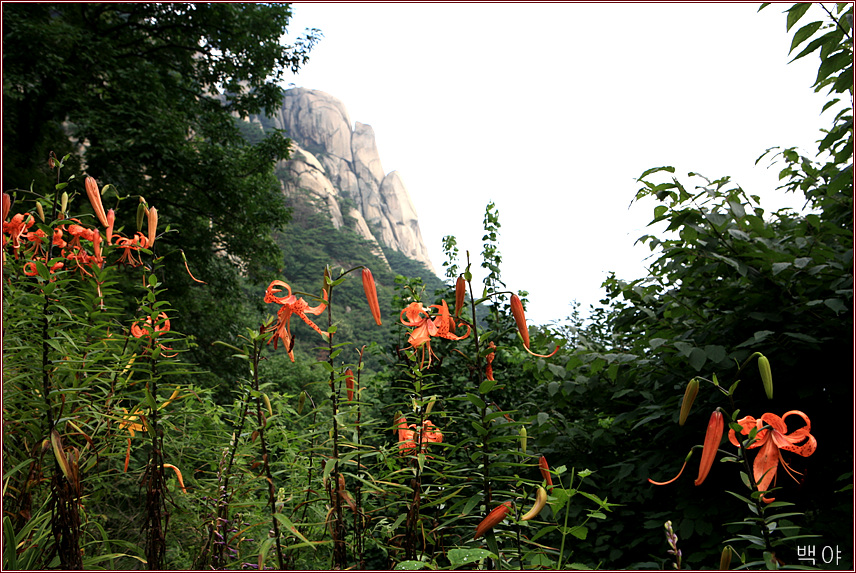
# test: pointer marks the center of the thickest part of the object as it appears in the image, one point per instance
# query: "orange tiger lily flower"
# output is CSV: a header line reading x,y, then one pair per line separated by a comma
x,y
138,331
771,441
131,245
442,325
291,305
371,294
488,371
493,519
545,472
520,319
405,436
446,324
409,435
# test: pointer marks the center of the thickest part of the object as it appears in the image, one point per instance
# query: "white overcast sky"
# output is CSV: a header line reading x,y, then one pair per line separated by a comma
x,y
553,110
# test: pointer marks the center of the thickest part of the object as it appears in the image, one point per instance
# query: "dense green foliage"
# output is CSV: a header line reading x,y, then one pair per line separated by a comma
x,y
383,447
144,95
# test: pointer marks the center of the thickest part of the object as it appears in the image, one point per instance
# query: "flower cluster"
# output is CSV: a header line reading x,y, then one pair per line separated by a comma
x,y
425,326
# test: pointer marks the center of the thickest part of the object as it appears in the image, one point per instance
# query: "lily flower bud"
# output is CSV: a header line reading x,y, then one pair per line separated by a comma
x,y
7,205
712,438
63,202
301,401
689,397
95,198
153,226
725,559
520,319
523,439
766,375
493,518
545,472
349,384
460,291
111,221
40,211
540,502
430,405
371,294
142,209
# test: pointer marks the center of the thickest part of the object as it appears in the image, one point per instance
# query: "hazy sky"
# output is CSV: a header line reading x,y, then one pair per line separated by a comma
x,y
553,110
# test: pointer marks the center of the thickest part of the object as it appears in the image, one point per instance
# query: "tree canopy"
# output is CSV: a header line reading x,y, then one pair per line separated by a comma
x,y
146,97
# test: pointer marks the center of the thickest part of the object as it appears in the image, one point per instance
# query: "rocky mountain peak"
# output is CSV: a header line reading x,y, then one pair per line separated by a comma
x,y
338,165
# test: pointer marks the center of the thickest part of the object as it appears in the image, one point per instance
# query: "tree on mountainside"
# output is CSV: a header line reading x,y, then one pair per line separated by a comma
x,y
146,96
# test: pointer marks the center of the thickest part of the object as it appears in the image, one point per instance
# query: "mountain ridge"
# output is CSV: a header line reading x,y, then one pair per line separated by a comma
x,y
337,165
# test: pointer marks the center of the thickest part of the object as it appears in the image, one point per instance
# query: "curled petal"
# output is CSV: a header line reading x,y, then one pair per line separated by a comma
x,y
272,289
178,474
413,311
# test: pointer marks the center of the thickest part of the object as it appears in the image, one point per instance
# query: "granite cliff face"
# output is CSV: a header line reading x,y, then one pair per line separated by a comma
x,y
337,164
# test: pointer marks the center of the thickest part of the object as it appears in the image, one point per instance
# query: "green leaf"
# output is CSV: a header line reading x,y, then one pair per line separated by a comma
x,y
411,565
486,386
796,12
836,304
465,555
476,401
578,531
770,560
697,358
668,169
715,353
804,34
10,557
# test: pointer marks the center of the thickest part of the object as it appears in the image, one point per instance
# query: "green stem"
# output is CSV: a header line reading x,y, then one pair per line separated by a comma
x,y
265,458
